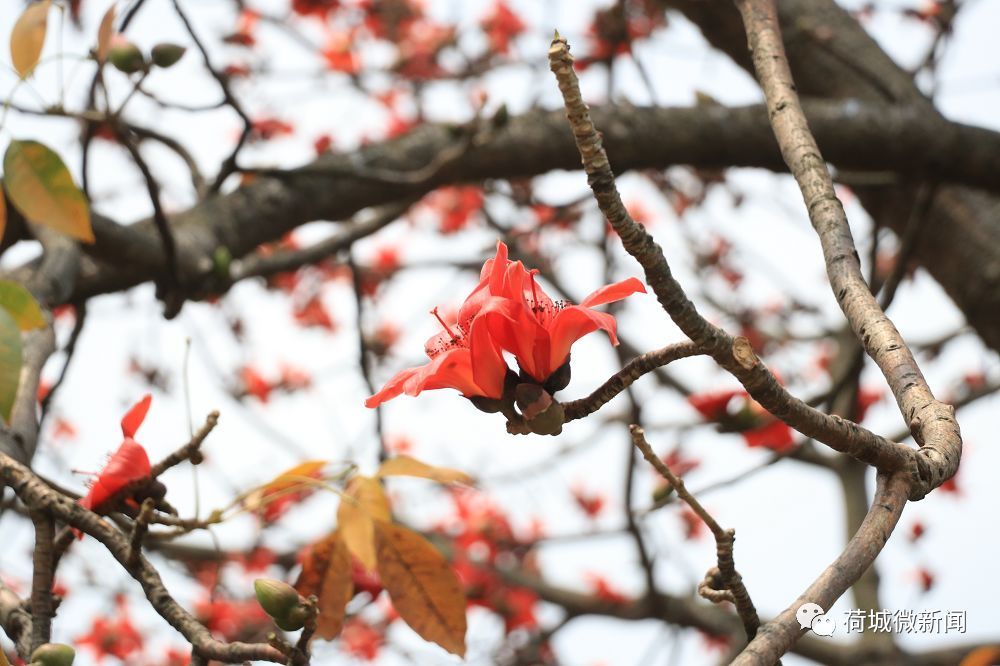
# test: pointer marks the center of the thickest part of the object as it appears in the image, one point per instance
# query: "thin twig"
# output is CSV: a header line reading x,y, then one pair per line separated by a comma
x,y
728,577
69,350
630,372
139,530
190,451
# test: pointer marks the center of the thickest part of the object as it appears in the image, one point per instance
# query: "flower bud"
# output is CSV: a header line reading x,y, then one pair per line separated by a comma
x,y
126,57
294,619
532,400
275,597
52,654
663,492
559,379
166,54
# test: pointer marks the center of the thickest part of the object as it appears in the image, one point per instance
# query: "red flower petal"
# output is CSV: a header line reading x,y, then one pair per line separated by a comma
x,y
614,292
569,325
775,435
713,405
129,463
135,416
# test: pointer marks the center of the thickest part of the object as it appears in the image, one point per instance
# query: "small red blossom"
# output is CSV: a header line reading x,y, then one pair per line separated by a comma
x,y
232,619
866,398
950,486
317,8
313,313
678,463
590,503
386,260
917,530
112,637
277,498
265,129
501,26
128,464
456,207
175,657
926,579
63,429
758,427
639,212
517,607
399,445
322,144
339,55
419,48
974,381
603,590
245,25
774,435
694,526
365,580
257,560
254,384
236,70
294,379
361,640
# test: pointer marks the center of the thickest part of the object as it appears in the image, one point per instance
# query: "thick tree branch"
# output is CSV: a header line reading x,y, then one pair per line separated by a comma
x,y
933,422
38,496
734,355
778,635
854,135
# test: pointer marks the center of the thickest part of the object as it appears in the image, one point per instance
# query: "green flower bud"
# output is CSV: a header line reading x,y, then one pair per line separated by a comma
x,y
52,654
275,597
295,619
166,54
126,57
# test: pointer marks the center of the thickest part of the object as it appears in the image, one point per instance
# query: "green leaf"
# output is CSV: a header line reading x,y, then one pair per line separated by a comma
x,y
21,305
10,363
41,187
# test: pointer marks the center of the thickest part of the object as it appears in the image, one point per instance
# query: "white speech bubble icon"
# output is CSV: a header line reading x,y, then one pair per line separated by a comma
x,y
807,613
823,625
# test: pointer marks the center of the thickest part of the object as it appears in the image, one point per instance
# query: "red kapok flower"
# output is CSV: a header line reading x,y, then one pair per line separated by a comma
x,y
115,637
525,321
501,26
463,357
128,464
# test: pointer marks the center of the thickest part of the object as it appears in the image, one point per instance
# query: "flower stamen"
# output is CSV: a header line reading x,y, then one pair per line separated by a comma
x,y
446,327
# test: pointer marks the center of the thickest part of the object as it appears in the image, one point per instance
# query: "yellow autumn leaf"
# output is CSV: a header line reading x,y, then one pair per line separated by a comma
x,y
291,478
28,37
407,466
41,187
104,33
424,589
336,590
363,504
